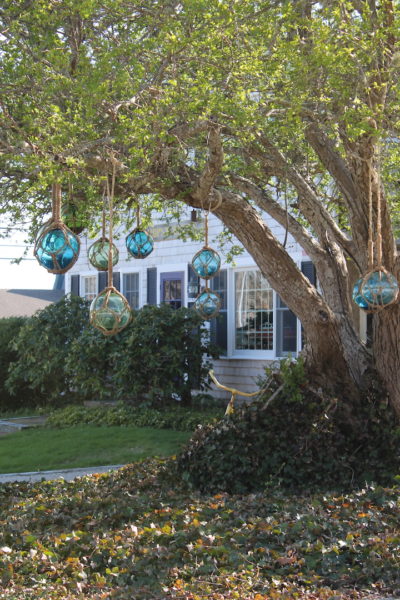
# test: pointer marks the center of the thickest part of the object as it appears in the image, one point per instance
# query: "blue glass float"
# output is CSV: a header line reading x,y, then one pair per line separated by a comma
x,y
98,254
206,263
207,304
139,243
56,247
110,311
376,290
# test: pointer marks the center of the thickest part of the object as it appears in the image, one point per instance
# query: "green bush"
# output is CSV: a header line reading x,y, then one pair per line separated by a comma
x,y
9,329
178,418
159,357
42,347
301,441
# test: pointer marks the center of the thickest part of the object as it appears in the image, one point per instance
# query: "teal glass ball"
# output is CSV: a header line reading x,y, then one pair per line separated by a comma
x,y
206,263
139,243
98,254
57,248
207,304
375,290
110,312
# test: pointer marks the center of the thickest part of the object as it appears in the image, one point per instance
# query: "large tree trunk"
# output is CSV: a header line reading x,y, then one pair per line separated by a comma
x,y
335,357
386,337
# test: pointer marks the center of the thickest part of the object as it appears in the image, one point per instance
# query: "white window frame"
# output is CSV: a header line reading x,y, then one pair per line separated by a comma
x,y
253,354
232,351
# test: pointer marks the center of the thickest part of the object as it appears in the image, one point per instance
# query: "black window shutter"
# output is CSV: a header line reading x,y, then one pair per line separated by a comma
x,y
75,285
117,280
219,325
152,286
102,280
308,269
219,331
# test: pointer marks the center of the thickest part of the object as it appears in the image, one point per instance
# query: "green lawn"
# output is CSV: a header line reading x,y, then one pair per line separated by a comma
x,y
85,446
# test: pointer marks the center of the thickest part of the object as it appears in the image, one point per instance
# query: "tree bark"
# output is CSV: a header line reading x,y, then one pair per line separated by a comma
x,y
335,356
386,336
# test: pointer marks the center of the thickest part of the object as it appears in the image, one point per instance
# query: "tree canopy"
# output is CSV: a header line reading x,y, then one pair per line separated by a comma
x,y
265,102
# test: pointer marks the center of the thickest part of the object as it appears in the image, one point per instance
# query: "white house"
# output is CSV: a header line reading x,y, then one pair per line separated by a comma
x,y
254,326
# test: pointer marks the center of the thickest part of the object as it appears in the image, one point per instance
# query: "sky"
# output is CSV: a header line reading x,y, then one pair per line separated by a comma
x,y
28,274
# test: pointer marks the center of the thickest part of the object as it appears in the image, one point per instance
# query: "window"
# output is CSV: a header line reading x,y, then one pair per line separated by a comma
x,y
89,287
172,289
131,289
253,311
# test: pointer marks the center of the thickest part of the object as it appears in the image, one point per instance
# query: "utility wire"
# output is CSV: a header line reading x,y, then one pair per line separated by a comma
x,y
15,258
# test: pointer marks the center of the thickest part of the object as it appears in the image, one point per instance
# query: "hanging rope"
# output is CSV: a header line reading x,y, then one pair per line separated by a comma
x,y
56,203
138,215
378,218
103,223
287,216
111,217
370,218
206,212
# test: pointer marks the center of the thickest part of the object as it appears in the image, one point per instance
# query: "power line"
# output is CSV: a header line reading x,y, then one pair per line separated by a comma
x,y
16,245
14,258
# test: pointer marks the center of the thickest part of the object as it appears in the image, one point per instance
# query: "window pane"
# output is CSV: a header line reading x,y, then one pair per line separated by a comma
x,y
254,311
172,292
89,287
131,289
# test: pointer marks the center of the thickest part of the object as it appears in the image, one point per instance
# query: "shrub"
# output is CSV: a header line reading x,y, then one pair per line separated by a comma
x,y
301,441
178,418
159,357
43,346
9,329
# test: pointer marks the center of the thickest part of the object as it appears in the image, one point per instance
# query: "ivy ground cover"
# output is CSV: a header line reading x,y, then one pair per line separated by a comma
x,y
141,534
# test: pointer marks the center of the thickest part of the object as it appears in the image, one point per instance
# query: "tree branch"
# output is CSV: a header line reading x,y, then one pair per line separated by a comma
x,y
212,168
311,207
265,201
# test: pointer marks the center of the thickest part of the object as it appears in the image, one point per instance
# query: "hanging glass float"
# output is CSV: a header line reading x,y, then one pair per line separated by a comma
x,y
207,304
71,217
98,254
206,263
56,247
376,290
110,311
139,243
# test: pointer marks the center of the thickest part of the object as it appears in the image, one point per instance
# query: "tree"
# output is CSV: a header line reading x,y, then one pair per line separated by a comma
x,y
253,101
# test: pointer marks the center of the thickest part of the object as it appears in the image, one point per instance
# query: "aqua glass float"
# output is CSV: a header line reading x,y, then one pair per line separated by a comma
x,y
139,243
56,247
206,263
376,290
110,311
207,304
98,254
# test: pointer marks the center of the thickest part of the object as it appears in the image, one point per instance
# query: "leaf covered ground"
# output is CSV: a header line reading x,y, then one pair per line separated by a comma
x,y
141,534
